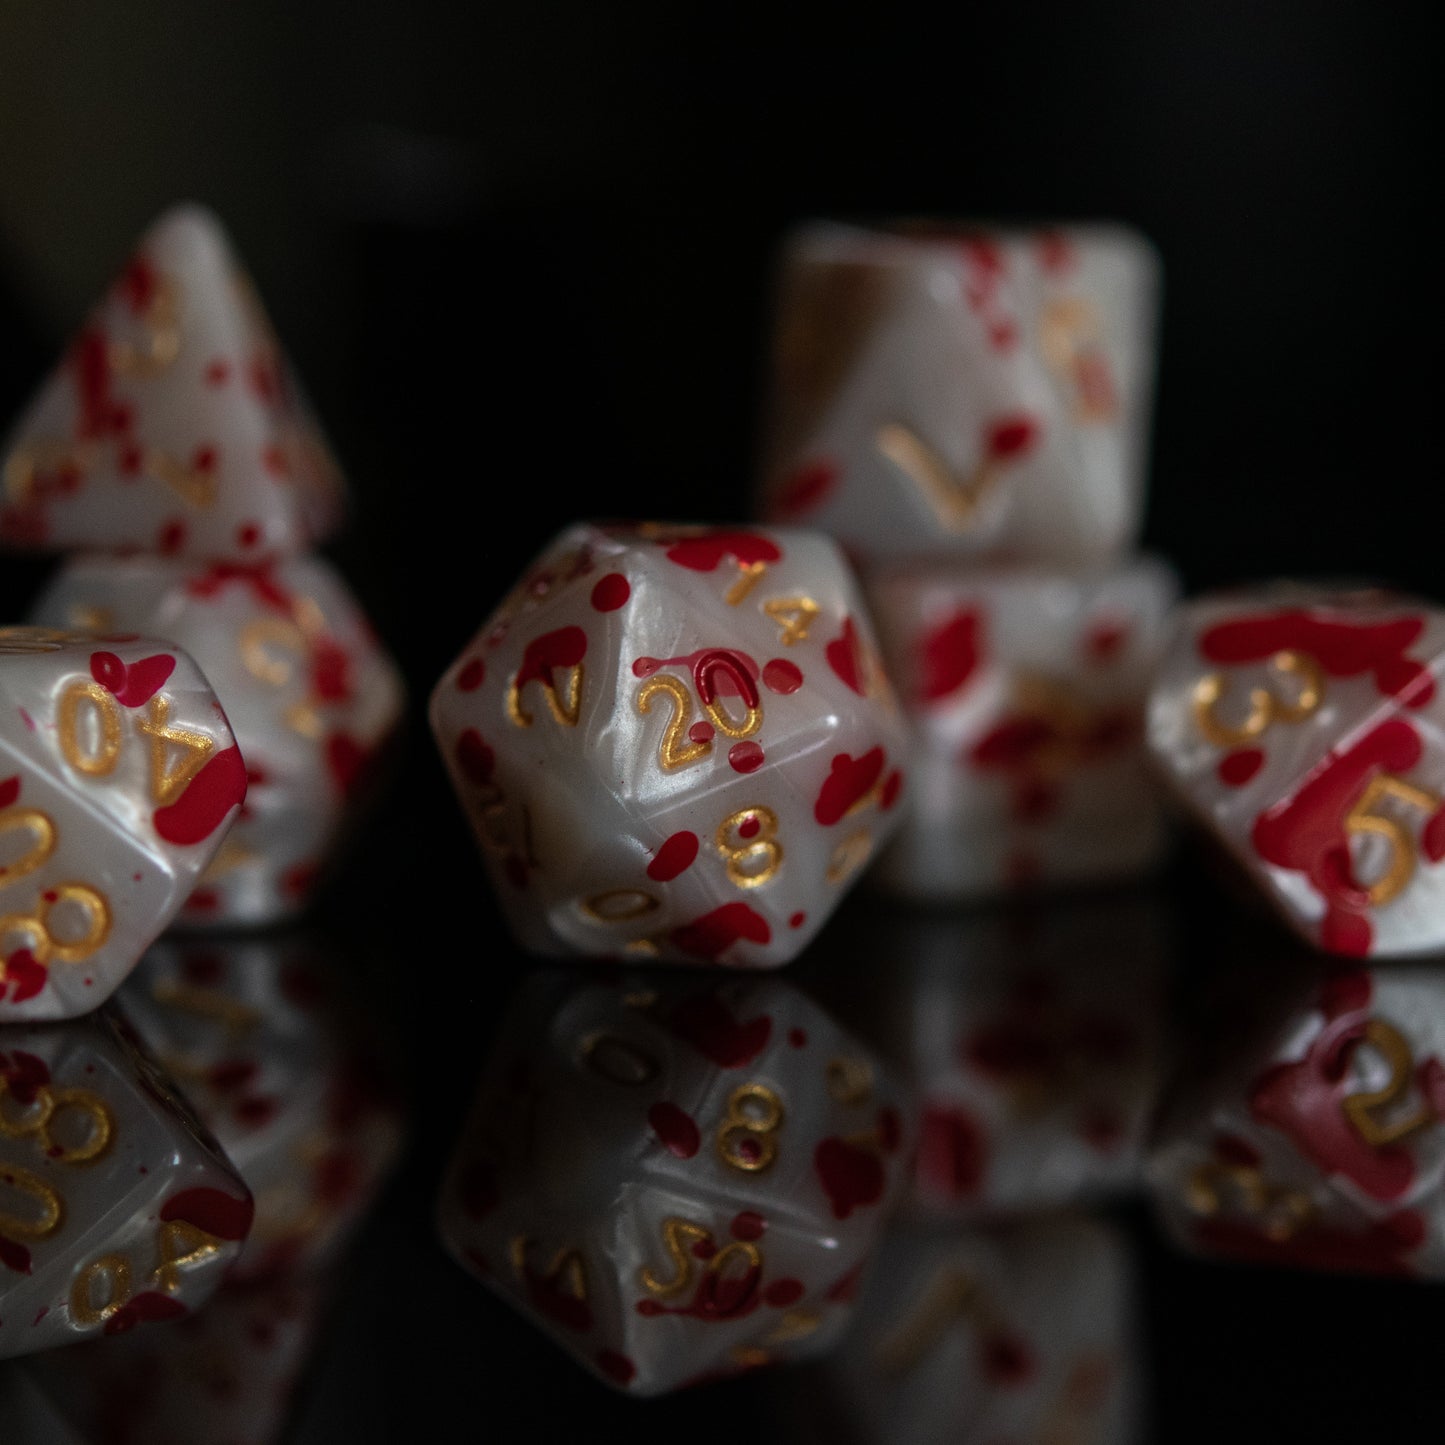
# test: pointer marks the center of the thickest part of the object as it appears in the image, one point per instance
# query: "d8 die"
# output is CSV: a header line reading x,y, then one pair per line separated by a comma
x,y
119,777
967,393
173,425
1026,691
675,1183
1318,1138
309,691
116,1207
286,1076
1300,725
675,742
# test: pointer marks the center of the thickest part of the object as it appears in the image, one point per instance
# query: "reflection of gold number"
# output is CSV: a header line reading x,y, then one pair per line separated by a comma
x,y
678,1237
676,750
795,615
1390,1043
748,1136
755,857
619,1060
42,831
114,1271
1282,1212
1363,819
1265,708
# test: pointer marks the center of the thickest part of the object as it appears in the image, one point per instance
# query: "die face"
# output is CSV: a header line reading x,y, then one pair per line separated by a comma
x,y
675,1183
1321,1144
675,742
289,1080
310,693
1025,690
117,1208
967,394
173,424
119,777
1301,726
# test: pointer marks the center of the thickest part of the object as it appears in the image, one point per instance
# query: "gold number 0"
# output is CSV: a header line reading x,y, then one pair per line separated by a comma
x,y
1265,708
1389,1041
100,760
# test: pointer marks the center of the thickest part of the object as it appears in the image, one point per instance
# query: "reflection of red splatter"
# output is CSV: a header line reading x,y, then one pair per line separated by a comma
x,y
617,1367
675,1129
9,791
952,1152
1238,767
806,487
714,933
144,1308
704,1021
675,856
748,1225
851,1176
13,1256
472,675
1381,1248
24,1075
950,653
784,1292
474,758
206,802
549,1298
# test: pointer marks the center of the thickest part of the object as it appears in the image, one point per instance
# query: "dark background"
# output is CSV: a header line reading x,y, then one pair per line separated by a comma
x,y
521,254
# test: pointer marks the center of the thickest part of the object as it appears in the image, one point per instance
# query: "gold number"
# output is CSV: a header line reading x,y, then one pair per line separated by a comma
x,y
565,713
619,905
29,641
678,1236
720,661
97,755
795,615
51,1212
115,1270
162,336
1282,1212
748,576
618,1060
567,1265
260,642
36,926
1069,341
677,750
952,1295
1265,708
955,499
169,781
181,1244
849,856
47,1106
43,833
1388,1040
748,1136
1363,819
753,858
850,1081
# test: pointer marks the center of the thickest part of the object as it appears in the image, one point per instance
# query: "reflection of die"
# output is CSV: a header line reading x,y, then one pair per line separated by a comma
x,y
119,777
261,1038
1026,691
116,1207
675,1182
173,424
675,742
1315,1137
1301,725
979,392
1021,1333
304,682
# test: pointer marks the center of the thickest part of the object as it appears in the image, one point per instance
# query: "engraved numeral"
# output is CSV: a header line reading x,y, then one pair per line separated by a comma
x,y
1363,819
1265,708
747,1139
1070,343
795,615
954,498
181,1244
95,751
755,855
1281,1212
677,750
44,945
113,1270
169,779
42,833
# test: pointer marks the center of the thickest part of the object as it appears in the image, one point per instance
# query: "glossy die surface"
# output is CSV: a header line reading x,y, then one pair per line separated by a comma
x,y
116,1207
1025,689
1301,725
675,1183
1318,1139
119,777
262,1039
972,393
307,688
173,424
675,742
1021,1333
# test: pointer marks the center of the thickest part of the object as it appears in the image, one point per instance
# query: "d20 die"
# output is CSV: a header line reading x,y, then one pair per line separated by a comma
x,y
675,1183
173,424
1300,725
1026,691
119,777
116,1206
675,742
308,689
964,393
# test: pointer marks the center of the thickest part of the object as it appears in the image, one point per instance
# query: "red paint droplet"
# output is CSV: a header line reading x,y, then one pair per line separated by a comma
x,y
784,1292
675,856
781,676
611,592
248,534
849,781
472,676
675,1129
616,1366
749,1225
797,1037
1011,437
701,732
745,757
218,372
207,801
797,920
749,826
170,538
1105,640
892,786
1238,767
950,653
134,684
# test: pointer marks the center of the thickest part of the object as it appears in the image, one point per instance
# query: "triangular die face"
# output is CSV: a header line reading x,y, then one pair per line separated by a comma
x,y
173,423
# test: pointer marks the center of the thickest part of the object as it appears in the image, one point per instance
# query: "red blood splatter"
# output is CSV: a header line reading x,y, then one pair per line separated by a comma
x,y
784,1292
275,460
1007,1359
471,677
1105,640
24,1075
26,973
892,787
849,782
171,538
797,920
701,732
1231,1149
257,577
950,654
299,879
720,1295
1056,252
711,935
716,672
131,461
9,790
890,1129
851,1177
144,1308
845,1289
748,1225
346,761
474,758
565,647
1011,437
806,487
745,757
952,1152
216,1212
12,1255
1343,649
616,1367
781,676
138,284
135,684
330,670
248,534
1382,1248
611,592
703,553
231,1074
207,801
797,1037
675,1129
218,372
845,657
1238,767
704,1021
675,856
749,826
1432,837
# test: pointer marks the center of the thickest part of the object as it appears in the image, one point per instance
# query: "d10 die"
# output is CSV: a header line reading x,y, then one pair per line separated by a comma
x,y
967,393
1021,1333
173,424
1026,691
119,777
309,691
1300,725
288,1079
675,742
675,1183
116,1207
1318,1139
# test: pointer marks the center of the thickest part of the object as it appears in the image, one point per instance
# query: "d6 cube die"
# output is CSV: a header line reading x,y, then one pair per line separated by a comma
x,y
307,687
1025,688
675,1183
119,777
174,424
116,1207
675,742
1299,724
966,393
